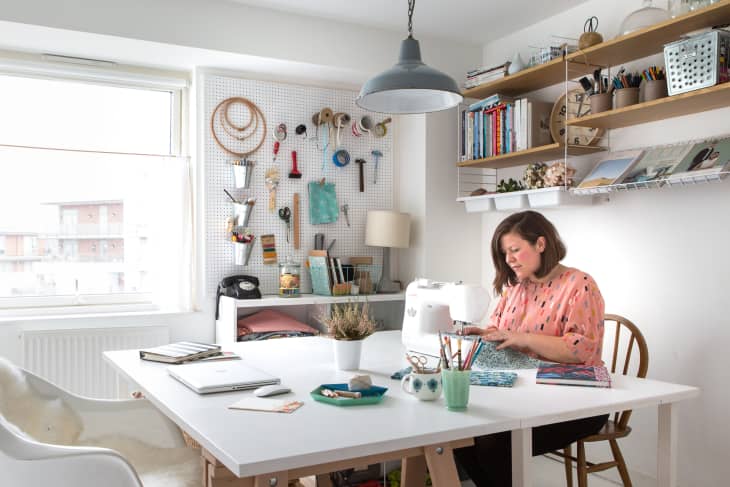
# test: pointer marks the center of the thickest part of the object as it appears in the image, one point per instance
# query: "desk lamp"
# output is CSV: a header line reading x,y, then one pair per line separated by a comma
x,y
387,229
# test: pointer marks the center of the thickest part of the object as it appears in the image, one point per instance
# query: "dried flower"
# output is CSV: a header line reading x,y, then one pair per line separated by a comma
x,y
559,175
534,174
349,321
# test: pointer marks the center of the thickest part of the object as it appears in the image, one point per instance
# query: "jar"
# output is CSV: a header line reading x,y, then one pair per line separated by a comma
x,y
289,279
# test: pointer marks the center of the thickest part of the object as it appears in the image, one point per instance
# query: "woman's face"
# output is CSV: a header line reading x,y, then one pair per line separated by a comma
x,y
522,257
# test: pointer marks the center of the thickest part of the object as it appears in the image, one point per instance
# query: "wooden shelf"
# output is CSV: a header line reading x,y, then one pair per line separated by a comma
x,y
524,81
673,106
535,154
651,40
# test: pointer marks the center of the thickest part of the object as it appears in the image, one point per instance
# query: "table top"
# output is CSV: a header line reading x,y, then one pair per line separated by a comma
x,y
255,442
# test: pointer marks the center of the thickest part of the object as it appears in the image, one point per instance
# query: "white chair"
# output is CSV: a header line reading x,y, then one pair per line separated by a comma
x,y
27,462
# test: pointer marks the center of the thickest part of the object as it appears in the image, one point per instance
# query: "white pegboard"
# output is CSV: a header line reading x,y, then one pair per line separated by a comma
x,y
292,105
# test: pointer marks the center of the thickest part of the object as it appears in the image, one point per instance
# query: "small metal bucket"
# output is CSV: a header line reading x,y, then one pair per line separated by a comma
x,y
241,214
242,252
242,173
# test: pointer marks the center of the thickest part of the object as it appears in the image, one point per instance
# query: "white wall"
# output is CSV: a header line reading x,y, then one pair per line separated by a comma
x,y
660,258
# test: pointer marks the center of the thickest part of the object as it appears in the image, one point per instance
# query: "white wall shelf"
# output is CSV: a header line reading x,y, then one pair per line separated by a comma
x,y
226,325
556,196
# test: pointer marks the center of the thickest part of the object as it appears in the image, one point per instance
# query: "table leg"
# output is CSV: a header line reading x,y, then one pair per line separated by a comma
x,y
441,465
323,480
521,457
413,472
277,479
667,446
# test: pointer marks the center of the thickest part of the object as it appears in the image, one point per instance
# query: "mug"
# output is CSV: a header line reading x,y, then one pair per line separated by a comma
x,y
425,386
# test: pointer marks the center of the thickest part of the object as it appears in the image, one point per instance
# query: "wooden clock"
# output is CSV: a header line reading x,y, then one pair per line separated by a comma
x,y
577,105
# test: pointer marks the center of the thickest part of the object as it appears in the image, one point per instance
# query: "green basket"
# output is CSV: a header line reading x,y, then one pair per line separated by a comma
x,y
369,396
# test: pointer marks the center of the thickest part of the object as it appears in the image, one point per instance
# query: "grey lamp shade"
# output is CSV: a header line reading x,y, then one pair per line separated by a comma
x,y
410,86
386,228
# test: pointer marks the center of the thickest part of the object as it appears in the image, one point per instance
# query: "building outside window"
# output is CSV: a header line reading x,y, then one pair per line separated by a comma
x,y
93,174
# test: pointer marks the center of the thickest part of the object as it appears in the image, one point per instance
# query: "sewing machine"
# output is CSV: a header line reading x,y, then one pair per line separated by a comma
x,y
437,306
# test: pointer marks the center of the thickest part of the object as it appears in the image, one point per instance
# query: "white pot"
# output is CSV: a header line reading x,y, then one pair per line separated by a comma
x,y
347,354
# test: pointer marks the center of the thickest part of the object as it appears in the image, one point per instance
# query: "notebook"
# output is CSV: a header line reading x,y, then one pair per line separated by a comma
x,y
573,375
208,377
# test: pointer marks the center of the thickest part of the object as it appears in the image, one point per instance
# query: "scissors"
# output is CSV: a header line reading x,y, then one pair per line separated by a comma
x,y
285,215
418,362
591,24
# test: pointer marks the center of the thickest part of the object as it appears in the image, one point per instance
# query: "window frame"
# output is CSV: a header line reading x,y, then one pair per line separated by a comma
x,y
122,76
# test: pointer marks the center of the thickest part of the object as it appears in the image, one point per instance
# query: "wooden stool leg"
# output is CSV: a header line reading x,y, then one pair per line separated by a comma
x,y
413,472
441,466
621,464
567,454
582,467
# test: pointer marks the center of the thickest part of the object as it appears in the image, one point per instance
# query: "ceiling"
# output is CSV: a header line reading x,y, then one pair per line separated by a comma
x,y
468,21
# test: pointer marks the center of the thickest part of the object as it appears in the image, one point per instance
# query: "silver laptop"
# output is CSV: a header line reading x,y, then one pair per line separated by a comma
x,y
207,377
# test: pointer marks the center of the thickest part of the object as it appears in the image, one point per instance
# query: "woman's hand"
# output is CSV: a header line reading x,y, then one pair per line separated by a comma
x,y
475,330
509,339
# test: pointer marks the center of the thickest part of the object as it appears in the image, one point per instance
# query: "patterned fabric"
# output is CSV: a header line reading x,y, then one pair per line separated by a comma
x,y
569,306
490,358
323,206
492,378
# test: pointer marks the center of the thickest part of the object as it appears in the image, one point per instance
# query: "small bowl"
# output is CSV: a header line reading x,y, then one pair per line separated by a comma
x,y
369,396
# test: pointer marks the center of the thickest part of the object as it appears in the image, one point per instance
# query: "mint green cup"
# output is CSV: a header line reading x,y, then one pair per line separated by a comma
x,y
456,388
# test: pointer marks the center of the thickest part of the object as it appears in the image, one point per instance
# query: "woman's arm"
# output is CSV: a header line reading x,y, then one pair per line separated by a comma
x,y
550,348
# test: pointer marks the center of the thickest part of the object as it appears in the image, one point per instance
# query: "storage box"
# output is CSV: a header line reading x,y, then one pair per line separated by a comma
x,y
554,196
697,62
510,201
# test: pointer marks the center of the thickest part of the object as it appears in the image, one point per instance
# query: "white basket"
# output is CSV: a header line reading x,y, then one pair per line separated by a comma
x,y
697,62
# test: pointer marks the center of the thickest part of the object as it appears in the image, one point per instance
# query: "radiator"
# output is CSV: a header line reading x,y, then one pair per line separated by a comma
x,y
73,358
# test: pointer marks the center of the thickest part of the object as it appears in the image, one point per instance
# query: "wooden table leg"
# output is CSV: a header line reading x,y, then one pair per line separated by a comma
x,y
323,480
441,465
276,479
667,446
413,472
521,457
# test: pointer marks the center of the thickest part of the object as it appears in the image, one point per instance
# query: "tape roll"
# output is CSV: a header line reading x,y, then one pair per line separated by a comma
x,y
365,124
341,158
280,132
323,116
341,120
355,131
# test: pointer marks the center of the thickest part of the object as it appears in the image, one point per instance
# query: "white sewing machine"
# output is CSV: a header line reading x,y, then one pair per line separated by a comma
x,y
437,306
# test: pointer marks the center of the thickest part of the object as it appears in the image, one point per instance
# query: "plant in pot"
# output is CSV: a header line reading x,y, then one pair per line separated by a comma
x,y
349,324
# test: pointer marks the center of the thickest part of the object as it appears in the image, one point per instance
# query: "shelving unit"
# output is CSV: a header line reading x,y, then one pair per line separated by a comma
x,y
226,325
613,52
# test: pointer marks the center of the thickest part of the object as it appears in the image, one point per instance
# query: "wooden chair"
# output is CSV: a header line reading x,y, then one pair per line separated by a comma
x,y
618,426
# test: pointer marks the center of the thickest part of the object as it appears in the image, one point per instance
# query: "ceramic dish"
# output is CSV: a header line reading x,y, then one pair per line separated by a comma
x,y
369,396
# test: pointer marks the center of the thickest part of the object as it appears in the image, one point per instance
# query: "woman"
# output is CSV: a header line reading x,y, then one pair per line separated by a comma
x,y
548,311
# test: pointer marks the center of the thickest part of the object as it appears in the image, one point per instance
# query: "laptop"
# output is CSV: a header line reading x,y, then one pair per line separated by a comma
x,y
205,378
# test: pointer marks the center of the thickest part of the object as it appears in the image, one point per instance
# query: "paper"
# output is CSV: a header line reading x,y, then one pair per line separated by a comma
x,y
270,405
323,206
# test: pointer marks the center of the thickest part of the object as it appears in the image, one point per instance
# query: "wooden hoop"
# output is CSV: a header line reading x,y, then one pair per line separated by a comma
x,y
255,112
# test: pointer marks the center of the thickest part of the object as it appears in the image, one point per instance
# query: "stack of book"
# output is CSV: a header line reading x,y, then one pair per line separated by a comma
x,y
330,277
500,124
482,75
180,352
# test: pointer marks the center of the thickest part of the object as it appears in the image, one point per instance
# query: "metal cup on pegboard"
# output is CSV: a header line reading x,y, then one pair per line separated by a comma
x,y
242,173
242,213
242,251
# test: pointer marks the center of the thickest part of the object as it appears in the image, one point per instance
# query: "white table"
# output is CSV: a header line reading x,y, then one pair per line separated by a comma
x,y
318,438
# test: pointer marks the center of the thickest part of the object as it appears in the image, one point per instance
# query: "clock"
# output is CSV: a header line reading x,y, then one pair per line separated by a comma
x,y
575,105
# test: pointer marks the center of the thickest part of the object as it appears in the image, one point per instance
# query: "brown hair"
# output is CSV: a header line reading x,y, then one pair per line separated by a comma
x,y
530,225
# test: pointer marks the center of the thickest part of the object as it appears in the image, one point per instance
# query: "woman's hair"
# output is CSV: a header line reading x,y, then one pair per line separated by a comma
x,y
530,225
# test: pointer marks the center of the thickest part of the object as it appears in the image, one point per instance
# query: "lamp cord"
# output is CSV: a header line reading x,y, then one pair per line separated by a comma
x,y
411,6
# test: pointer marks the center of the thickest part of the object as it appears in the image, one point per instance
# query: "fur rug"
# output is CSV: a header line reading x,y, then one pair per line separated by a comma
x,y
50,420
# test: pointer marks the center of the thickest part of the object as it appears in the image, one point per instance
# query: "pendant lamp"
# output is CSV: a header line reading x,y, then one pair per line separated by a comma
x,y
410,86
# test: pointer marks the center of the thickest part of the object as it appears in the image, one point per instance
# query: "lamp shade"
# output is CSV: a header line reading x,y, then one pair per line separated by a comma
x,y
410,86
386,228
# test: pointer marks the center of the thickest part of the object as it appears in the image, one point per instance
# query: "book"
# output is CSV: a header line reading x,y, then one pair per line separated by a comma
x,y
705,160
222,356
319,275
611,169
657,164
573,375
489,102
179,352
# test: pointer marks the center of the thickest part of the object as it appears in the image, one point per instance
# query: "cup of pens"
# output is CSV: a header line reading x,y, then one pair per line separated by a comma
x,y
456,368
655,83
456,388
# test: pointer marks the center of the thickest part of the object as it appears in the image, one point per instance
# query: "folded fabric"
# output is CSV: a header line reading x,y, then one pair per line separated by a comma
x,y
323,206
494,378
269,320
490,358
399,374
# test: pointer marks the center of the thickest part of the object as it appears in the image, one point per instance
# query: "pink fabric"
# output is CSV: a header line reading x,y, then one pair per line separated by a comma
x,y
270,320
569,306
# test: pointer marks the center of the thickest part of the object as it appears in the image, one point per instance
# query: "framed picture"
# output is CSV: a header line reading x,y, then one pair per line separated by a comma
x,y
611,169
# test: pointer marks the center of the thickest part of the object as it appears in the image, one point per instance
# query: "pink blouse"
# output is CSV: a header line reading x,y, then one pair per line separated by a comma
x,y
569,306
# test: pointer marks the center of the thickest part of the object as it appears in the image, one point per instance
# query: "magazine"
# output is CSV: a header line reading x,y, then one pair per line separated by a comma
x,y
657,163
611,169
708,158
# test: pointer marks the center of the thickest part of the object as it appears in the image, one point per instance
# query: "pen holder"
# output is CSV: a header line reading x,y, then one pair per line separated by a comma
x,y
626,97
242,173
600,102
242,252
456,388
241,214
655,89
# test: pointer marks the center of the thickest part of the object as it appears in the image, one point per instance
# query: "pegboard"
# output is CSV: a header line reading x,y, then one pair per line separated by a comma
x,y
292,105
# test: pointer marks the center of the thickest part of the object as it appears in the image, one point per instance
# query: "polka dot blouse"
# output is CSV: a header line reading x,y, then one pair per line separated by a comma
x,y
568,306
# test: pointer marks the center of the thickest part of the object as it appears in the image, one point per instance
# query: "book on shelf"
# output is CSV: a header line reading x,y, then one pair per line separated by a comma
x,y
611,169
490,101
319,272
705,160
179,352
573,375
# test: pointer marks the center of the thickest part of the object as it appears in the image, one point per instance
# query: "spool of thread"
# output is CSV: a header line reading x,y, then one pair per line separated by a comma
x,y
365,124
341,158
323,116
341,120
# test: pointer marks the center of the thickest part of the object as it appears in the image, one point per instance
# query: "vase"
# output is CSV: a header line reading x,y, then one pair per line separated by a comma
x,y
347,354
516,65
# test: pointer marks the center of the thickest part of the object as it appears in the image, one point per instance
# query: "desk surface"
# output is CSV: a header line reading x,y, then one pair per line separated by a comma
x,y
252,442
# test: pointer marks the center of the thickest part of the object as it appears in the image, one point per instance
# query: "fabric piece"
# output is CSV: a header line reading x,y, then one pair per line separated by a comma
x,y
269,320
490,358
399,374
493,378
323,206
568,306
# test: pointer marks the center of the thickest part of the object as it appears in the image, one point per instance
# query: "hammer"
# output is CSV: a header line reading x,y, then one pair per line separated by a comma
x,y
360,162
377,155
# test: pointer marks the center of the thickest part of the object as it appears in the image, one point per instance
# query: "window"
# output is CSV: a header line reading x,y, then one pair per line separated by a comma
x,y
92,173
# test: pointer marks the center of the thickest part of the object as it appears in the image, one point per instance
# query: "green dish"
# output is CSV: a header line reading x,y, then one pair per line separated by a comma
x,y
369,396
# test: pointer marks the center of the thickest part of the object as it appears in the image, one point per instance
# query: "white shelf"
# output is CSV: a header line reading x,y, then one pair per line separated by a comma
x,y
684,179
556,196
307,299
